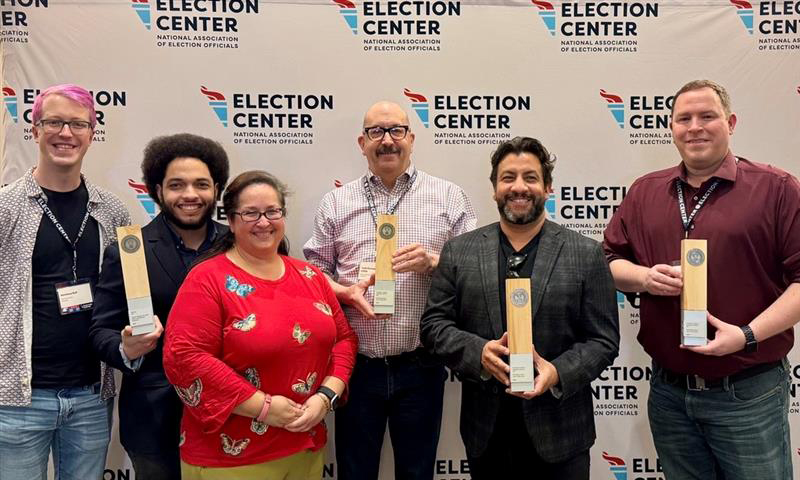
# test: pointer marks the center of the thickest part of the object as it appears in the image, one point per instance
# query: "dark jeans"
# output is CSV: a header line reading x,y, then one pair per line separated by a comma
x,y
405,391
165,466
736,431
510,452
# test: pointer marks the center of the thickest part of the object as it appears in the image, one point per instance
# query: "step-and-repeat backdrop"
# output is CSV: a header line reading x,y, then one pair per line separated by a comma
x,y
284,85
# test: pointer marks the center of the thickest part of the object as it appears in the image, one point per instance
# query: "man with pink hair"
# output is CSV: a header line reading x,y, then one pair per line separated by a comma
x,y
54,225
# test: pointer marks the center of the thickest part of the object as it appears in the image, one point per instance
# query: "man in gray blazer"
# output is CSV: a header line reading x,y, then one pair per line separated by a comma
x,y
547,431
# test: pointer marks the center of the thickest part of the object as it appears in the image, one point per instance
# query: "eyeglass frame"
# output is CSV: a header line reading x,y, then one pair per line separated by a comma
x,y
406,129
264,214
514,264
81,128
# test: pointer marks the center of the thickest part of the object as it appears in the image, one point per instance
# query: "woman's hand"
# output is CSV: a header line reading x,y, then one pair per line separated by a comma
x,y
314,410
283,411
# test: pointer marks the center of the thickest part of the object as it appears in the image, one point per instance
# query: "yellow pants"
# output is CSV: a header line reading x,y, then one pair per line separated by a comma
x,y
300,466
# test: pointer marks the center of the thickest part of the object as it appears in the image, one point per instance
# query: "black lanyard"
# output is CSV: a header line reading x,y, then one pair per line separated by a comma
x,y
371,199
687,221
73,245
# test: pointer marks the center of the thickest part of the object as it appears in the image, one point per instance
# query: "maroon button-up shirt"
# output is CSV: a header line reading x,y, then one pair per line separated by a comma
x,y
752,224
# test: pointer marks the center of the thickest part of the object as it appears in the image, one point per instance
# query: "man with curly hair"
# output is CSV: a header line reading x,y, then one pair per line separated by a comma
x,y
185,174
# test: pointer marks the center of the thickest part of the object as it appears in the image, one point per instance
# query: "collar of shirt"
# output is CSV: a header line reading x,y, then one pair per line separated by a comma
x,y
33,190
211,235
726,171
401,180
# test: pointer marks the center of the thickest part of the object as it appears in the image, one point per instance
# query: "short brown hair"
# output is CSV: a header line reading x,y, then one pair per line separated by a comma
x,y
722,94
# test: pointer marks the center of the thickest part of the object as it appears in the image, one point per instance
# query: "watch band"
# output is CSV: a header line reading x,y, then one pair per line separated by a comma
x,y
750,342
330,395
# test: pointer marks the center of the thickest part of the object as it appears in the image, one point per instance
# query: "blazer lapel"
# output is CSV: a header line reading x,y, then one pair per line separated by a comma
x,y
549,247
164,250
490,242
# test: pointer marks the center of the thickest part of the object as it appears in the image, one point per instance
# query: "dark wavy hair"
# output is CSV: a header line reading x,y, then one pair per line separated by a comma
x,y
230,204
518,145
160,151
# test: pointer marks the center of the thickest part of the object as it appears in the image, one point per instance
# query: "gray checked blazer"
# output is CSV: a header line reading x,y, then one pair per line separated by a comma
x,y
575,327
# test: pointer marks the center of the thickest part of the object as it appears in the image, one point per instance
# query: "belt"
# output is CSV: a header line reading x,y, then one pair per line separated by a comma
x,y
698,383
414,356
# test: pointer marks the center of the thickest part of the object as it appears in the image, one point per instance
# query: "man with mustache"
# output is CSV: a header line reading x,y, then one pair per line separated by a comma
x,y
545,433
394,380
718,410
54,225
185,175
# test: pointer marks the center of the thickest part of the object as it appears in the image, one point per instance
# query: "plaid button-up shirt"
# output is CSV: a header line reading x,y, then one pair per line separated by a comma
x,y
431,212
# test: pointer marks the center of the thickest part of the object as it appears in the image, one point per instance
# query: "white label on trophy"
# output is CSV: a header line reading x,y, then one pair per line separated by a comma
x,y
693,328
521,372
140,315
384,296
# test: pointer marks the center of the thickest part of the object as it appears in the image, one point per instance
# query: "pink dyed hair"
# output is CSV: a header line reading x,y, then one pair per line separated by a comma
x,y
75,93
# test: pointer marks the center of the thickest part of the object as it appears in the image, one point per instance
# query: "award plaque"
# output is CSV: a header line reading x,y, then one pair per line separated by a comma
x,y
134,276
694,266
520,333
386,245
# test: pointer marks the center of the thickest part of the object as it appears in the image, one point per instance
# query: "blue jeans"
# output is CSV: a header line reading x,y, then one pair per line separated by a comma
x,y
737,431
74,422
405,391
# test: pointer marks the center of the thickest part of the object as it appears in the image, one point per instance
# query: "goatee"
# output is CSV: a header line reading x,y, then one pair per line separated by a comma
x,y
524,218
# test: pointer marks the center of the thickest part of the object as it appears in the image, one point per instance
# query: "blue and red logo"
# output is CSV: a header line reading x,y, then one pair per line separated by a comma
x,y
217,103
550,206
745,11
616,466
616,105
10,99
548,15
147,203
142,8
348,11
419,103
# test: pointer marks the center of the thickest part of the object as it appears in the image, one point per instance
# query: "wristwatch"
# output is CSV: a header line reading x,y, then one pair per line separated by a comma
x,y
332,396
750,343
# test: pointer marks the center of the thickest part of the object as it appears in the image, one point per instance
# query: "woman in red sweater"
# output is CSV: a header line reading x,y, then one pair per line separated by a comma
x,y
257,348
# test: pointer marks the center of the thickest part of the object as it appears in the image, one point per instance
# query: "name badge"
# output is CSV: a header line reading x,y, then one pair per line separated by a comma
x,y
365,270
74,296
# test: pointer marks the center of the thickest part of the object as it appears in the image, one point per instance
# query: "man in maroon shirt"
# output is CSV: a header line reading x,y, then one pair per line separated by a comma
x,y
718,410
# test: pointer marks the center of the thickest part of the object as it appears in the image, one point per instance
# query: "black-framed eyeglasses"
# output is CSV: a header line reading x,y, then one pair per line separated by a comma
x,y
52,125
514,264
251,216
397,132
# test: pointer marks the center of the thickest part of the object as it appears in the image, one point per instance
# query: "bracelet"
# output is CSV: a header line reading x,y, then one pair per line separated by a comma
x,y
326,400
264,408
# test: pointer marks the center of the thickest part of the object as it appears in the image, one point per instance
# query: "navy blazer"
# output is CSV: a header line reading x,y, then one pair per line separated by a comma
x,y
149,409
575,327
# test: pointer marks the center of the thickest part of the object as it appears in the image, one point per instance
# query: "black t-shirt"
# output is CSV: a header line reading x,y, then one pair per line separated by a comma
x,y
62,355
525,270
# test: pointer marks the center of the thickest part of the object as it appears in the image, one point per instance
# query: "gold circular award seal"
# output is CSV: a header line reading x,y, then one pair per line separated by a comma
x,y
695,257
386,231
130,243
519,297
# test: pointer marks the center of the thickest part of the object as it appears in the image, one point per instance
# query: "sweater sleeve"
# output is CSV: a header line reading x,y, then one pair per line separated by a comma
x,y
343,354
209,388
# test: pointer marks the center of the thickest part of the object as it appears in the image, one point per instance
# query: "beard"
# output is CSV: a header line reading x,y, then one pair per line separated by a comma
x,y
526,217
200,223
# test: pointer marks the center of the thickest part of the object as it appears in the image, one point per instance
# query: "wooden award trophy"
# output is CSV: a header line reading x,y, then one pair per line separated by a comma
x,y
386,245
520,333
134,275
694,305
